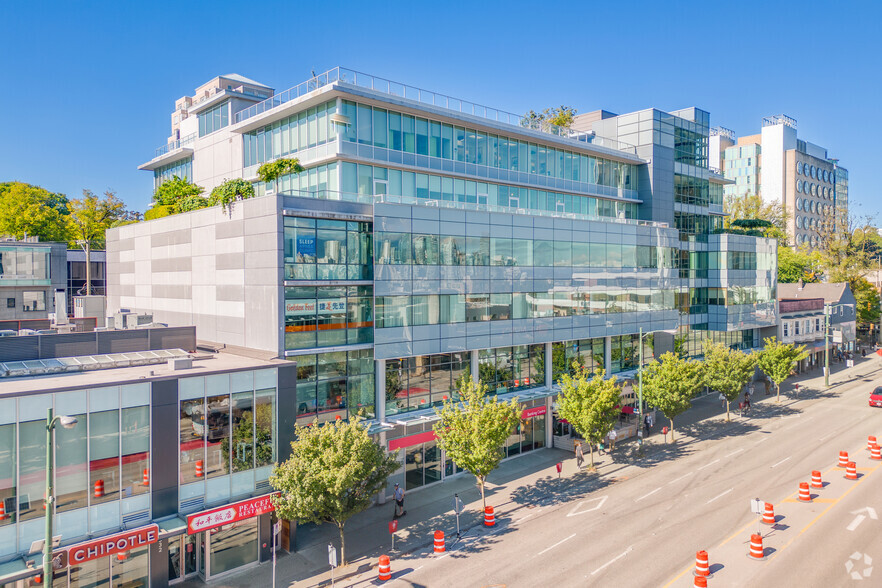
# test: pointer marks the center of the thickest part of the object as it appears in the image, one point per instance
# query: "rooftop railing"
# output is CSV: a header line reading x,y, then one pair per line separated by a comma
x,y
175,145
469,206
363,80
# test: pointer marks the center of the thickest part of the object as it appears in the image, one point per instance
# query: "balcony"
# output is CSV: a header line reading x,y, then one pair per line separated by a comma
x,y
168,148
429,98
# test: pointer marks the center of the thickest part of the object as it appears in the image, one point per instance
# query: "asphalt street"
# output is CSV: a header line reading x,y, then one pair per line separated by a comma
x,y
641,524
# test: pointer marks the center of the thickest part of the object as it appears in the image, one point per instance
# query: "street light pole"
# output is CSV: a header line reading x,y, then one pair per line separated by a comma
x,y
826,346
640,396
68,423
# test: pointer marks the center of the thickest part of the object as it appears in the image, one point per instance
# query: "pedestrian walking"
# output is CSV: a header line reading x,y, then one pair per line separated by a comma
x,y
647,425
722,399
580,457
751,389
398,495
612,439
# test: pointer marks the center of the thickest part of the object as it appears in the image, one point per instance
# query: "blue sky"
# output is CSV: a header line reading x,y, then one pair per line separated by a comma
x,y
89,86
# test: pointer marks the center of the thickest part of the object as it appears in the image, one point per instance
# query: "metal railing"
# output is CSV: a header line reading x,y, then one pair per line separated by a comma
x,y
175,145
363,80
470,206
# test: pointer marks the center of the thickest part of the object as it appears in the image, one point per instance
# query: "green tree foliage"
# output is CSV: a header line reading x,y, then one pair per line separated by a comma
x,y
797,265
273,170
333,473
671,383
753,207
472,433
866,301
246,446
846,249
158,211
32,211
231,191
589,403
90,216
178,193
727,370
778,359
550,117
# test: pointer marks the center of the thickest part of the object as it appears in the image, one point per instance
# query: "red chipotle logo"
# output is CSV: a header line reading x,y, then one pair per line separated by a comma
x,y
113,544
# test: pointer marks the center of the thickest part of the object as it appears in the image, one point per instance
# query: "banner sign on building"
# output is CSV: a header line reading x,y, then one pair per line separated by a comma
x,y
309,307
112,544
535,411
224,515
306,246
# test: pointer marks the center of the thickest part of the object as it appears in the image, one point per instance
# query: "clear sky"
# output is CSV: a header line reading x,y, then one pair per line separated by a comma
x,y
88,87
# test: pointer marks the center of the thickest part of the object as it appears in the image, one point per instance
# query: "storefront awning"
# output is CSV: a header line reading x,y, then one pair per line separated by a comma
x,y
172,527
17,569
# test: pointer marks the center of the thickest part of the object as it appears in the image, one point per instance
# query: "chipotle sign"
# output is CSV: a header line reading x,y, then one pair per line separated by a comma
x,y
112,544
224,515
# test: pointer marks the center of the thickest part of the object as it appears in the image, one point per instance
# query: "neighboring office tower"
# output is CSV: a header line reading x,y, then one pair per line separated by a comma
x,y
782,168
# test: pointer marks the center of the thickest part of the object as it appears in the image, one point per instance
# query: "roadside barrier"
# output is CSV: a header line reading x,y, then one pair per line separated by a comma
x,y
817,482
489,517
145,477
385,568
876,452
843,459
769,514
804,495
99,489
851,471
439,542
756,547
702,567
198,468
870,442
700,582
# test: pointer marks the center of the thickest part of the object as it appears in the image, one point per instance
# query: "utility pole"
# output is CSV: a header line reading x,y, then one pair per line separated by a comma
x,y
826,346
640,397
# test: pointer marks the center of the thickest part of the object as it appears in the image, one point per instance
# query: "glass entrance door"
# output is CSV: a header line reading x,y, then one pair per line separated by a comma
x,y
183,558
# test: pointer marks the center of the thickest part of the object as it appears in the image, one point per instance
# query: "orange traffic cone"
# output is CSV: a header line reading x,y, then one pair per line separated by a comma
x,y
145,477
769,514
870,442
804,495
198,468
99,489
439,542
851,471
702,568
816,479
756,547
700,582
2,510
489,517
843,459
876,452
385,568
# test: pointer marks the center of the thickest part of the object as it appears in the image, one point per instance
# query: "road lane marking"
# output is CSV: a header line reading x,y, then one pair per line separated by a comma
x,y
854,524
707,465
681,477
720,496
761,440
613,560
648,495
734,452
556,544
782,461
576,512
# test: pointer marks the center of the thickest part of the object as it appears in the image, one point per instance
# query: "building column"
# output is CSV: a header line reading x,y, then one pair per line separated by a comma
x,y
607,355
549,367
473,364
380,388
549,422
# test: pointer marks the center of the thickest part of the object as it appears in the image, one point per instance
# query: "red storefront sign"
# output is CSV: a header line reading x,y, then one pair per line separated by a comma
x,y
112,544
224,515
535,411
411,440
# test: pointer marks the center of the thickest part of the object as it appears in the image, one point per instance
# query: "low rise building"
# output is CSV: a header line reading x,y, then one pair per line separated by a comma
x,y
801,322
30,274
839,304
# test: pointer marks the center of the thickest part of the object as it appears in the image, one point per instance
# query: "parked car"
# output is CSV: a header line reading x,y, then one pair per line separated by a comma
x,y
876,397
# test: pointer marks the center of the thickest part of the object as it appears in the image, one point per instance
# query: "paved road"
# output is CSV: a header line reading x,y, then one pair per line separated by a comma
x,y
641,525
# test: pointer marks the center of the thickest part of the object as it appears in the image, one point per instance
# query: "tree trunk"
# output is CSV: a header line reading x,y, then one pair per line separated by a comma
x,y
777,392
672,429
727,411
481,484
591,448
88,249
342,544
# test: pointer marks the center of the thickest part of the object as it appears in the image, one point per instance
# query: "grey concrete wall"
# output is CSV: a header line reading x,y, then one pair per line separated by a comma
x,y
219,271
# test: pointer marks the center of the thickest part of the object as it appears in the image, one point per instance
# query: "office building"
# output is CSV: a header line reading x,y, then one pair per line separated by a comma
x,y
30,274
431,239
776,164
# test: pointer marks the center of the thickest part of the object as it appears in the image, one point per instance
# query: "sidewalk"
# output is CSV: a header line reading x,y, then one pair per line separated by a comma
x,y
519,484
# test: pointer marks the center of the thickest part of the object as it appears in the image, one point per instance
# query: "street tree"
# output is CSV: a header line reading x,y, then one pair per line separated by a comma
x,y
90,217
777,361
230,191
671,383
727,370
796,265
866,302
273,170
27,210
472,430
333,473
589,403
